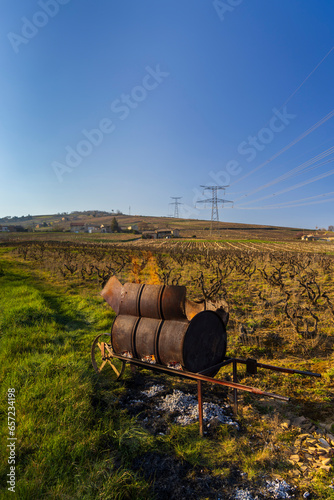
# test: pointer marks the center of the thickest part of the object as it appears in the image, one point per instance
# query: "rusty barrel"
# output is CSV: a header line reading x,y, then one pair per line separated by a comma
x,y
195,345
153,301
123,335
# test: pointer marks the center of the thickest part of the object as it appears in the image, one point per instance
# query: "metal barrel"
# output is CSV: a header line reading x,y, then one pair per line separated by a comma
x,y
196,346
136,337
112,292
205,342
147,334
173,302
153,301
123,335
130,299
170,342
150,301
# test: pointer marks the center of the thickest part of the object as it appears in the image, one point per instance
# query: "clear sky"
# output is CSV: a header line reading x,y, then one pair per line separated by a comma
x,y
111,104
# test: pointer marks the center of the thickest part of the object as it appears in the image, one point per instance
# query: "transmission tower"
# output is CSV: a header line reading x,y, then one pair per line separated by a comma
x,y
214,200
176,204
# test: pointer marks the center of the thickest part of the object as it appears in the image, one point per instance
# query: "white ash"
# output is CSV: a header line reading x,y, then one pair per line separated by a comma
x,y
153,390
175,366
127,354
187,406
244,495
279,489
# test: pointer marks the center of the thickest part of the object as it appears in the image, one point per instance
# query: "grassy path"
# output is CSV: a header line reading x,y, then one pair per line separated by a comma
x,y
67,443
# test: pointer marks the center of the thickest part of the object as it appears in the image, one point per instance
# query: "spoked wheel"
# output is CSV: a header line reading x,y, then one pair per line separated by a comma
x,y
101,354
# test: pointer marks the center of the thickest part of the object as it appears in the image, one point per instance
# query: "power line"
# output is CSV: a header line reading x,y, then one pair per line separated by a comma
x,y
289,98
305,199
304,81
308,76
291,188
302,168
292,204
295,141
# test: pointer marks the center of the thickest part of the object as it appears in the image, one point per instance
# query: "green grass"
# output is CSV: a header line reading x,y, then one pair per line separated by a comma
x,y
68,444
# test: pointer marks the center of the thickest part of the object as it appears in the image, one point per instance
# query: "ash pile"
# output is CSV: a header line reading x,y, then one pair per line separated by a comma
x,y
178,408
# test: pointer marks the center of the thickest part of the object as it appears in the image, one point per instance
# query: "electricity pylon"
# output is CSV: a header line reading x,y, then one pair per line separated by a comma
x,y
176,204
214,200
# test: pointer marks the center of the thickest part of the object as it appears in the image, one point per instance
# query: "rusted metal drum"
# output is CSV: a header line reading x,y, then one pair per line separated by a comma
x,y
150,301
130,299
205,342
136,337
146,338
173,302
153,301
196,346
170,343
123,335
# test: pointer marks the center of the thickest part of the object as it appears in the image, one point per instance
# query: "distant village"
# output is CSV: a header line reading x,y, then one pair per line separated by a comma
x,y
320,235
80,227
71,223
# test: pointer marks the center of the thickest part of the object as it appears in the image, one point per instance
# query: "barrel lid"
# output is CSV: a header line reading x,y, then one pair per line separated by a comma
x,y
204,342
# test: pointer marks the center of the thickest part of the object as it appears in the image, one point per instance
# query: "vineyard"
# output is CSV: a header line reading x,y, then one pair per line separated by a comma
x,y
280,298
243,245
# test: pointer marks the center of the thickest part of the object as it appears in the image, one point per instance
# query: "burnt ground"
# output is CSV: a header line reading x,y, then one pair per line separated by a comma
x,y
173,478
146,410
176,480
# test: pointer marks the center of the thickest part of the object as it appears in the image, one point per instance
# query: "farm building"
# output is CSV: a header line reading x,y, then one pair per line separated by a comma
x,y
161,233
93,229
9,229
149,235
310,237
168,233
164,233
78,227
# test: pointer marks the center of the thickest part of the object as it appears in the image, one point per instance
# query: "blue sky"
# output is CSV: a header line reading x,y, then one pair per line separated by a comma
x,y
112,104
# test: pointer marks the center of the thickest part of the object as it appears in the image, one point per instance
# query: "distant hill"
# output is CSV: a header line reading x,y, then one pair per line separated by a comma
x,y
188,227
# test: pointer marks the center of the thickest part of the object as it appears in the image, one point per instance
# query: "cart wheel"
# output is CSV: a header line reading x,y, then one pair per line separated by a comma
x,y
101,354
